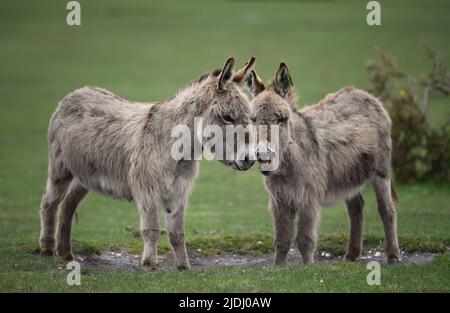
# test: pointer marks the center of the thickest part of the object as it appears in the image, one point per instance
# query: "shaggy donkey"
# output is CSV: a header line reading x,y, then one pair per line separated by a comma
x,y
100,142
327,152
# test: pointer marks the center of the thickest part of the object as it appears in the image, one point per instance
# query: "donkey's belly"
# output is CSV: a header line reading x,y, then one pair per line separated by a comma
x,y
110,187
334,196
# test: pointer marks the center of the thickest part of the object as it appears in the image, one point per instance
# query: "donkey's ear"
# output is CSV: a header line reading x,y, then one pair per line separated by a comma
x,y
226,74
283,81
255,84
243,74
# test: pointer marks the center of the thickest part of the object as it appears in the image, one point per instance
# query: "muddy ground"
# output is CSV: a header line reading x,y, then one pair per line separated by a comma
x,y
125,261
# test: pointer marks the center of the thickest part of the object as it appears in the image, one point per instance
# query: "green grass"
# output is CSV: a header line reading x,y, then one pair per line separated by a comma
x,y
146,50
43,274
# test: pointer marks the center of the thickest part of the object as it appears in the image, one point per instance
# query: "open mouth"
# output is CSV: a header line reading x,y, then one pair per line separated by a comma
x,y
264,167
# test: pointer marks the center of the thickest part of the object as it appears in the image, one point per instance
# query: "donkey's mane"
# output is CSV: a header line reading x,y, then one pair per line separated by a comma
x,y
195,82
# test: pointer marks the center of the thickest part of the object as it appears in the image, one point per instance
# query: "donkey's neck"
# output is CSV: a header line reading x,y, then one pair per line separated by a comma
x,y
194,101
306,143
191,102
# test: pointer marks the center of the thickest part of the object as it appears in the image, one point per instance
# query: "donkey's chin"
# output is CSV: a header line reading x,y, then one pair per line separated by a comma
x,y
234,165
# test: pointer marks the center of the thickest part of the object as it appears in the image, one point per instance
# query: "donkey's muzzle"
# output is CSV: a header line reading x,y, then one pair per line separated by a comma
x,y
243,165
265,155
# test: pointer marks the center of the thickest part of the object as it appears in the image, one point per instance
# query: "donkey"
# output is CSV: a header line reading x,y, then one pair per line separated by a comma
x,y
100,142
326,153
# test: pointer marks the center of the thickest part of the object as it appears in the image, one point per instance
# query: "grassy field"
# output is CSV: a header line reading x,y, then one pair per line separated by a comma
x,y
146,50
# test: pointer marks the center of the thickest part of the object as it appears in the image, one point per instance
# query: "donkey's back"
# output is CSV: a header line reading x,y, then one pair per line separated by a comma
x,y
350,116
352,130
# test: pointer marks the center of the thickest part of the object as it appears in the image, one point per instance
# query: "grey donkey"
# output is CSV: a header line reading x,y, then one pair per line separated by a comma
x,y
326,153
100,142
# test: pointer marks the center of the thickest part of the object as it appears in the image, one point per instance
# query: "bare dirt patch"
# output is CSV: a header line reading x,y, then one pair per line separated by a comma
x,y
125,261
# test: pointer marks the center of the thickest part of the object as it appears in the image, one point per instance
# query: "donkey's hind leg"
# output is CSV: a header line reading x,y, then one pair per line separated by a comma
x,y
149,227
175,231
53,193
67,208
388,213
355,213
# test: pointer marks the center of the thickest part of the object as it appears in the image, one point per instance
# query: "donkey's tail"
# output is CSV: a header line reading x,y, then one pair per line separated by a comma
x,y
393,193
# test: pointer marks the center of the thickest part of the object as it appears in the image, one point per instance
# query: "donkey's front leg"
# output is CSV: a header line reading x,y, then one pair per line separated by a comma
x,y
150,232
175,231
283,218
307,232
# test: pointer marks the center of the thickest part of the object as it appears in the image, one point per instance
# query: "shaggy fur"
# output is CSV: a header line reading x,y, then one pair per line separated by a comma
x,y
327,153
100,142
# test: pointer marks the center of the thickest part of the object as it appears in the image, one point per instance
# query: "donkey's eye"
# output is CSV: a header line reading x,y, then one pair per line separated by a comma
x,y
228,119
281,120
254,119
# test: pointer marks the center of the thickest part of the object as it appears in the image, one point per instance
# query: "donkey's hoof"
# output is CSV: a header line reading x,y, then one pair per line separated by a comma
x,y
393,255
47,246
183,267
393,261
149,265
47,252
66,256
351,257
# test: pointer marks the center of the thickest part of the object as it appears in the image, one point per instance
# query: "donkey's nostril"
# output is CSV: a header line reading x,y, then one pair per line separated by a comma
x,y
265,156
273,155
246,159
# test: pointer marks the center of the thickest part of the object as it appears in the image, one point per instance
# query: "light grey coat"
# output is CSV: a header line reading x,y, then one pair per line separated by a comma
x,y
327,153
100,142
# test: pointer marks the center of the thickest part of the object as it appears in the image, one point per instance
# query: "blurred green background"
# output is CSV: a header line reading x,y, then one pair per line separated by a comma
x,y
147,50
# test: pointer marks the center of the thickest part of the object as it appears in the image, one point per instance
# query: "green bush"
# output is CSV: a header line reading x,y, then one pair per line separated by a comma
x,y
419,151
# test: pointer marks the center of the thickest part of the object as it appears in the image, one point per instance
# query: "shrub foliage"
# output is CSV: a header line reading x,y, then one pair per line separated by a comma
x,y
419,150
